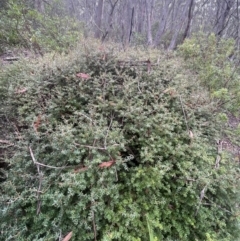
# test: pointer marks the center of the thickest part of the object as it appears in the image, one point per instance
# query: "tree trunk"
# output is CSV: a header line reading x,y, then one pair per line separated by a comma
x,y
178,27
140,16
98,18
39,5
148,5
110,20
162,25
189,20
223,10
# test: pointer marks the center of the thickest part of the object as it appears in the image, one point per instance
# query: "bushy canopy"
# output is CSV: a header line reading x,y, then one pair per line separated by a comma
x,y
103,148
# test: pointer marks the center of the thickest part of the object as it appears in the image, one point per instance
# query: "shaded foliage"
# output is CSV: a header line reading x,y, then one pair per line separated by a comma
x,y
22,25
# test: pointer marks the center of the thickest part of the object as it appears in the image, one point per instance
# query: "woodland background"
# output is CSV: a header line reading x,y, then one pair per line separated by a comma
x,y
164,23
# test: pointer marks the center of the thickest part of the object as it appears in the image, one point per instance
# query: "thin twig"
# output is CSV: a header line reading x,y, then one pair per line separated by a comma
x,y
139,87
105,139
87,117
202,195
184,114
212,203
48,166
6,142
94,226
39,202
218,158
116,173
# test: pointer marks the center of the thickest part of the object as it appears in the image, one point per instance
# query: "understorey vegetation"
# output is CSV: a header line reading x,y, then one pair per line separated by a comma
x,y
23,26
107,147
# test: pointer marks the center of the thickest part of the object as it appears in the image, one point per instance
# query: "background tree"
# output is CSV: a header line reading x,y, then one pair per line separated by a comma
x,y
98,18
166,23
39,5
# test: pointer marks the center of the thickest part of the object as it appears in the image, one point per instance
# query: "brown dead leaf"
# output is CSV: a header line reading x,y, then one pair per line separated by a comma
x,y
83,76
80,169
68,237
170,91
167,90
21,91
107,164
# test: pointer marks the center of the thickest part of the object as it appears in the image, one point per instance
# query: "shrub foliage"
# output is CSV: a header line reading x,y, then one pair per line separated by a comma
x,y
104,150
22,25
213,61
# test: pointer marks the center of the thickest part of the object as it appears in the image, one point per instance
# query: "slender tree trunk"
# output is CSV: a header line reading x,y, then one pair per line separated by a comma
x,y
98,18
238,27
223,10
140,16
110,20
189,20
162,25
148,5
131,25
39,5
178,27
127,23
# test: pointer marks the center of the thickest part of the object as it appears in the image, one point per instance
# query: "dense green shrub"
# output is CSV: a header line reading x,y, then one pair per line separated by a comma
x,y
157,132
23,25
210,58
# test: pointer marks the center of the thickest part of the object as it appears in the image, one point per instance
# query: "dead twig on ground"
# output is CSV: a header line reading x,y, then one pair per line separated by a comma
x,y
40,174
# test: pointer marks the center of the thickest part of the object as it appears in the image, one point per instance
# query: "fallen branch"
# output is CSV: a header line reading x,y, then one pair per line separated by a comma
x,y
6,142
68,237
218,158
94,226
11,59
202,195
48,166
39,202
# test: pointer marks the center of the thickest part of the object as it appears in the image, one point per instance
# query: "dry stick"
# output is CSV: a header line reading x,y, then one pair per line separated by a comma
x,y
185,118
212,203
184,114
6,142
116,174
202,193
218,159
39,194
53,167
48,166
139,87
94,226
105,139
39,202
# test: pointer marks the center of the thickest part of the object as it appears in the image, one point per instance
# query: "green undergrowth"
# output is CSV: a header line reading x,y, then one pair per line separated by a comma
x,y
212,60
23,26
216,63
119,153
